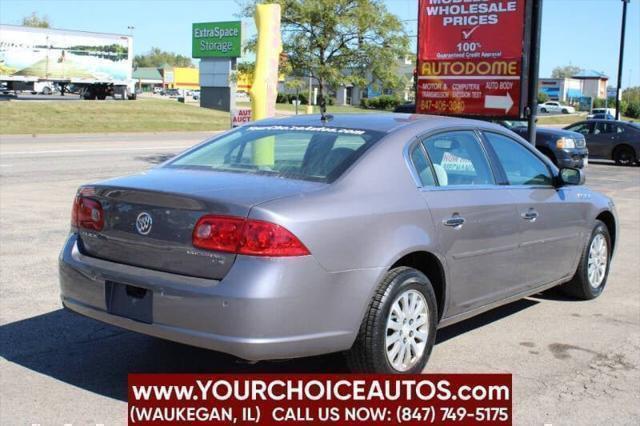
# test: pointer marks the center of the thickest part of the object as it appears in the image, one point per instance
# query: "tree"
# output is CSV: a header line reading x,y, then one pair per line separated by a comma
x,y
565,72
631,94
158,58
542,97
339,42
34,20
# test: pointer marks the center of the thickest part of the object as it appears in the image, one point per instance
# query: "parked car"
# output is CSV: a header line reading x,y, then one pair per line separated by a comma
x,y
408,108
195,95
362,233
564,148
600,116
554,106
595,111
173,93
611,139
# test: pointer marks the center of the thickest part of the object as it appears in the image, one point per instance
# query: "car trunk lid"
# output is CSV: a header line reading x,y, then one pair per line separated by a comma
x,y
149,217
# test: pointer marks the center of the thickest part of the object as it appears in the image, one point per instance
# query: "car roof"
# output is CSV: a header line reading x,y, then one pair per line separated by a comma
x,y
380,122
604,120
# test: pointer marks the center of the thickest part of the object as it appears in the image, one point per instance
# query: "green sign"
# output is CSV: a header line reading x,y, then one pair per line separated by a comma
x,y
217,40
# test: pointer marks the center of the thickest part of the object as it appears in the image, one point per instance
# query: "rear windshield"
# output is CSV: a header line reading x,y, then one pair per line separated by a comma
x,y
316,153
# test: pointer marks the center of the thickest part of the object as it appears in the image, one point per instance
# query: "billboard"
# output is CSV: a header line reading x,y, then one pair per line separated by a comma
x,y
40,53
217,40
472,57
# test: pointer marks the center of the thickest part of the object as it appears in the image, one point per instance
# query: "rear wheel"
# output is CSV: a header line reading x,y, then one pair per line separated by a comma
x,y
591,276
624,156
399,328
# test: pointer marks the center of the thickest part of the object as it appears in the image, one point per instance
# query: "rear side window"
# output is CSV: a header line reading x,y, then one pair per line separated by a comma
x,y
605,128
297,152
458,159
521,166
421,164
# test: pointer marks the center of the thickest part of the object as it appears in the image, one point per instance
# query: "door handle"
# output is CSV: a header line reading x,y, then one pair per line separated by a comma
x,y
530,215
454,221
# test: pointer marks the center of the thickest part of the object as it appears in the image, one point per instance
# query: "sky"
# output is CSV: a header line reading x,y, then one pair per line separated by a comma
x,y
585,33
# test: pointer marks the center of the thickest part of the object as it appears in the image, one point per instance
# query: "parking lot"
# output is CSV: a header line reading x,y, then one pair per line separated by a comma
x,y
572,362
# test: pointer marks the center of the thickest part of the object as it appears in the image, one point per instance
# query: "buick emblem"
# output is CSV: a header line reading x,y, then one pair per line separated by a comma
x,y
143,223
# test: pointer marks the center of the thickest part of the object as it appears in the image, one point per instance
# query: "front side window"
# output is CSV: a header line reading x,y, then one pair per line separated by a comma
x,y
458,159
299,152
582,128
521,166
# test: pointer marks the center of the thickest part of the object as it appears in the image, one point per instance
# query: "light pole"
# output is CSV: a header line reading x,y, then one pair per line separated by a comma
x,y
620,57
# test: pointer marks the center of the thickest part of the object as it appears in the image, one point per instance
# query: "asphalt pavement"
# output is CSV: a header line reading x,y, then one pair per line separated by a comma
x,y
572,362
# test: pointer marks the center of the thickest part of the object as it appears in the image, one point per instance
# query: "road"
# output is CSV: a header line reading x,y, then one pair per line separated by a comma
x,y
572,362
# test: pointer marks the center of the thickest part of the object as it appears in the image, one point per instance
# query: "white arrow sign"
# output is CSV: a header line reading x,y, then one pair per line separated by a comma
x,y
498,102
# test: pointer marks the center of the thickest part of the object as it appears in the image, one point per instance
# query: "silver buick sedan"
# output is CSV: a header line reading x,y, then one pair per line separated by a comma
x,y
359,233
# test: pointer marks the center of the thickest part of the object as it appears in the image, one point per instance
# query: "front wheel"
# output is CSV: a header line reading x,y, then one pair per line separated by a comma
x,y
593,269
543,110
398,331
624,156
565,111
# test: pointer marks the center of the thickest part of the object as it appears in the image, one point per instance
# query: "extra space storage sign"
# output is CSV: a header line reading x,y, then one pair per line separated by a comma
x,y
472,57
216,39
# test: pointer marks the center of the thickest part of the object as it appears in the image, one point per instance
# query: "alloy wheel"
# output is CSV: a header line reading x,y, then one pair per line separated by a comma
x,y
597,262
407,330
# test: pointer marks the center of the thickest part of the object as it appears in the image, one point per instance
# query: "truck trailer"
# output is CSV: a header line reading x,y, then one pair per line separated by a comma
x,y
43,60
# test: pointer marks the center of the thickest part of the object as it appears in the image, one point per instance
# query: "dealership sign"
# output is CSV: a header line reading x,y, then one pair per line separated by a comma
x,y
217,40
240,116
472,57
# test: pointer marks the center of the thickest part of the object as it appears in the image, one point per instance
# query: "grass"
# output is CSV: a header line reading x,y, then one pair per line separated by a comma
x,y
142,115
561,118
302,109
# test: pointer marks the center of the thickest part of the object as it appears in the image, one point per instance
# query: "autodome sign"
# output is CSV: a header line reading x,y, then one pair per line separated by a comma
x,y
473,57
216,39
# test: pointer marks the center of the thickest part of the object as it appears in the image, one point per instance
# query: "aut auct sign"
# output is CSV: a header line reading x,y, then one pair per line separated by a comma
x,y
217,39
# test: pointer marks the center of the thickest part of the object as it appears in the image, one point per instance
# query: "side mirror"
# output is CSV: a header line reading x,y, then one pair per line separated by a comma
x,y
569,176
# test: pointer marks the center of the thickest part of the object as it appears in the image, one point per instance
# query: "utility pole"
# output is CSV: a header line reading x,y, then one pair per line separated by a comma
x,y
620,57
534,69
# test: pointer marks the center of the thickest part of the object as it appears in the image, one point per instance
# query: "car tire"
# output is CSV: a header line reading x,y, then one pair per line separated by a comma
x,y
565,111
624,156
379,344
46,91
588,284
543,110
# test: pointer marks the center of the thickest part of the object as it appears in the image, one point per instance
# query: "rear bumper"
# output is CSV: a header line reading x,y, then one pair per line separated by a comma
x,y
262,309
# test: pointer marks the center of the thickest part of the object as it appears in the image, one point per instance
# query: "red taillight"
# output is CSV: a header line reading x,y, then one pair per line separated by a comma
x,y
87,214
220,233
246,236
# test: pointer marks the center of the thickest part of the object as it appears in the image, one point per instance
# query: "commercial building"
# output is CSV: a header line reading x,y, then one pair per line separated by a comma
x,y
181,78
585,84
561,89
147,78
594,83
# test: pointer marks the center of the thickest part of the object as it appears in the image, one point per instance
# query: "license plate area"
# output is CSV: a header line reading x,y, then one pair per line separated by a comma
x,y
129,301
